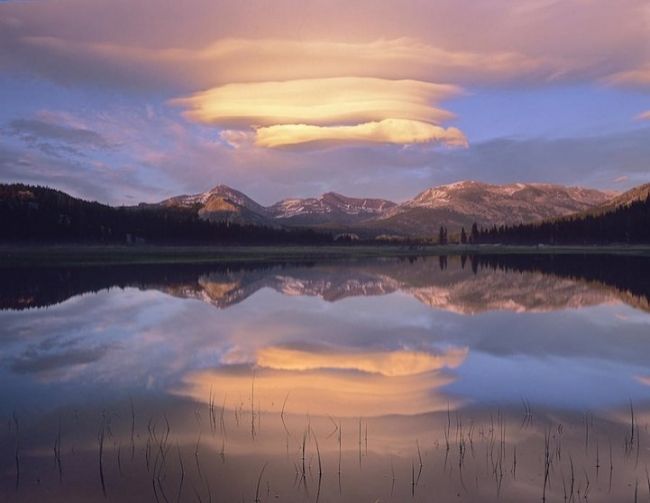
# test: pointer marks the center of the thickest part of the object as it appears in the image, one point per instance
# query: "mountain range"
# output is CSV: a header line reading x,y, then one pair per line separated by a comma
x,y
586,216
455,205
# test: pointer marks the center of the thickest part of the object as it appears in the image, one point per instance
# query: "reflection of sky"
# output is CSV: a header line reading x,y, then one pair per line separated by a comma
x,y
137,342
572,383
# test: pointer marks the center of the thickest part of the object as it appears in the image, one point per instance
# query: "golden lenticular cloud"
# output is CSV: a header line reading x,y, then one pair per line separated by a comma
x,y
400,131
334,110
335,101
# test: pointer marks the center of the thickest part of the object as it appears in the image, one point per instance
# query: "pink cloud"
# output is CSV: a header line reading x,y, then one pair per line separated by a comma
x,y
458,41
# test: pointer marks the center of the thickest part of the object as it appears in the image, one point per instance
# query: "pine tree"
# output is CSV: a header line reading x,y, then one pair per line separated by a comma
x,y
463,236
474,237
442,235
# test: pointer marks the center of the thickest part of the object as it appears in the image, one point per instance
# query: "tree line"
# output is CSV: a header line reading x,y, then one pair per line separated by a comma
x,y
42,214
626,224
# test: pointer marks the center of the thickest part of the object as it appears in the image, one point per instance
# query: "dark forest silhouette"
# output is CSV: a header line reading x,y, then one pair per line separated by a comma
x,y
627,224
41,214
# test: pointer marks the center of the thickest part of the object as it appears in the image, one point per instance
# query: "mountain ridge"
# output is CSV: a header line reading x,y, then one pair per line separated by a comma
x,y
455,205
42,214
638,193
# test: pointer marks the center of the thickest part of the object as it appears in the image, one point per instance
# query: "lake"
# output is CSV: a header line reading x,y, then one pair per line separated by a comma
x,y
459,378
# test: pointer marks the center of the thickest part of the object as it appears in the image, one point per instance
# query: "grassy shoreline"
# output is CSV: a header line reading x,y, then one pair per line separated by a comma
x,y
86,255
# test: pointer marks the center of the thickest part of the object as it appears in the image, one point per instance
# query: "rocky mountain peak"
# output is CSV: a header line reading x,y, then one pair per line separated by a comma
x,y
453,205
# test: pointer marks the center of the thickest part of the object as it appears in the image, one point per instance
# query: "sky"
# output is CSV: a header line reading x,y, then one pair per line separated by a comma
x,y
128,101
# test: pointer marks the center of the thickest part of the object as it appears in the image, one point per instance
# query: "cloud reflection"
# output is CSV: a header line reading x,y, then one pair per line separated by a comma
x,y
390,364
338,383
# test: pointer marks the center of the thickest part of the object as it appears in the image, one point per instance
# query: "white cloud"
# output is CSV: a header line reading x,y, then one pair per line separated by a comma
x,y
236,138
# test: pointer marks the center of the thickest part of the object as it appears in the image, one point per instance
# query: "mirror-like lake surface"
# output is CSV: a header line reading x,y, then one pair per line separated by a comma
x,y
503,378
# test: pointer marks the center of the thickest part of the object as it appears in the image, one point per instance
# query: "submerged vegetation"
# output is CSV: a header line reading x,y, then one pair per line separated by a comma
x,y
250,454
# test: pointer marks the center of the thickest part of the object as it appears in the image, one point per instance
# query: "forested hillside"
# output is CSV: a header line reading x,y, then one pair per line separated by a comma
x,y
41,214
627,223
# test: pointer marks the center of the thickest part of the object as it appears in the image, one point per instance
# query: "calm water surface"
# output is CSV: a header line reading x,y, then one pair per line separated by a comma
x,y
429,379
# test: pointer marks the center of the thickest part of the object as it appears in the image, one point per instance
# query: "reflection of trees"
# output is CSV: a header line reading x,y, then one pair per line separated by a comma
x,y
626,276
512,282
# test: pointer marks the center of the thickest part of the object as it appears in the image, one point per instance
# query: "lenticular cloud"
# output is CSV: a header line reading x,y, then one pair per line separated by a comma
x,y
333,110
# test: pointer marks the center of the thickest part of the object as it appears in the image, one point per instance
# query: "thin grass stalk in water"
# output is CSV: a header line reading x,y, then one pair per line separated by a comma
x,y
259,481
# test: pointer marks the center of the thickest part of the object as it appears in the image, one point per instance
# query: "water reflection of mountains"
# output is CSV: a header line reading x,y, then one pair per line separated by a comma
x,y
456,283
